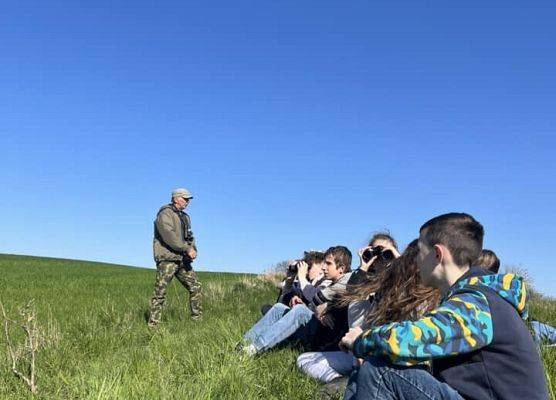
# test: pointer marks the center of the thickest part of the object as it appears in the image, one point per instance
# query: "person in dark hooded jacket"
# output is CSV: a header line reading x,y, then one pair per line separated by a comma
x,y
477,340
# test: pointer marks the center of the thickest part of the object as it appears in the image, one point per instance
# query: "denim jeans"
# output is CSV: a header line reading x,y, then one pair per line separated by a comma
x,y
543,333
278,324
379,380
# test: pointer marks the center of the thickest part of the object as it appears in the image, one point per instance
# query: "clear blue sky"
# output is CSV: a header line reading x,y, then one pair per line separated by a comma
x,y
296,125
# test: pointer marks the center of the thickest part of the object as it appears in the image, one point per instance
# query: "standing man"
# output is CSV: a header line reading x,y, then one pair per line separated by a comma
x,y
174,250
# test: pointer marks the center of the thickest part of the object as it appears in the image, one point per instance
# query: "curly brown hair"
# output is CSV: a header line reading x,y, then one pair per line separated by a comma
x,y
398,292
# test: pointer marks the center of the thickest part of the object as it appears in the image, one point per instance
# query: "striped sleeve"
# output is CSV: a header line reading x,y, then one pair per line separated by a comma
x,y
332,292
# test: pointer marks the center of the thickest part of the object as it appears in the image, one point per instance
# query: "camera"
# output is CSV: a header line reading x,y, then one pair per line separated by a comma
x,y
379,252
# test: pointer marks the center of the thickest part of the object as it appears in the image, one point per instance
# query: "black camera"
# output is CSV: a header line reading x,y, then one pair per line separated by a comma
x,y
379,252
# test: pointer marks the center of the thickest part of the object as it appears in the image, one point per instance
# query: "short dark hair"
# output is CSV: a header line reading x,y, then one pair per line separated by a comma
x,y
312,257
488,260
385,235
342,256
459,232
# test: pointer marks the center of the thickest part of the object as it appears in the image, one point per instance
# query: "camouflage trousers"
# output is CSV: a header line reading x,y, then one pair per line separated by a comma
x,y
166,270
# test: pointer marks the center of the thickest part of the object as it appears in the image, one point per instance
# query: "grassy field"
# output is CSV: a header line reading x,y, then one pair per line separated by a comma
x,y
95,343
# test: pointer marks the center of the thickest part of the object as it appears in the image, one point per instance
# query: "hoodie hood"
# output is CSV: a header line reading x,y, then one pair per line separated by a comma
x,y
508,286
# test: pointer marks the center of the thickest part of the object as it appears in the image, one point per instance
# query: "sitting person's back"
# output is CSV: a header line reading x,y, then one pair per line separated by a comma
x,y
508,365
476,338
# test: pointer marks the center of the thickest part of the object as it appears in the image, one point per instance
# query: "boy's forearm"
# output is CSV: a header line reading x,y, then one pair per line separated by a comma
x,y
461,325
303,282
309,292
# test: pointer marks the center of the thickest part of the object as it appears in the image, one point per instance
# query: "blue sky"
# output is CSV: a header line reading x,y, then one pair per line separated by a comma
x,y
296,125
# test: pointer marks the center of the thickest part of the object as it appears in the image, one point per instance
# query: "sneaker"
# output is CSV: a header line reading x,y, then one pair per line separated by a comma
x,y
249,350
239,346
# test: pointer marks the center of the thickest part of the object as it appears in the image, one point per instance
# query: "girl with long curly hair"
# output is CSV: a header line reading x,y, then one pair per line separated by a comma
x,y
397,294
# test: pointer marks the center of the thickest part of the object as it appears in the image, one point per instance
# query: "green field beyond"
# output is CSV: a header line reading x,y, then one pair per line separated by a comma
x,y
96,344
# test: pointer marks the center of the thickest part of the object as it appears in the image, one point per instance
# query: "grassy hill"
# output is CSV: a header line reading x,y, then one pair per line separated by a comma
x,y
95,343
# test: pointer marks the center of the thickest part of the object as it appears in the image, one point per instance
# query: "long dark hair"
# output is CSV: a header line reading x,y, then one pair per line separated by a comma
x,y
398,292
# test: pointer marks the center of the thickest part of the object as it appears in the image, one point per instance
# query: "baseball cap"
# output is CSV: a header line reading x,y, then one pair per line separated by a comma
x,y
182,193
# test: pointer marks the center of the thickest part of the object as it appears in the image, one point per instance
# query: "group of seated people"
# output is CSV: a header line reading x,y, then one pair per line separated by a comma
x,y
436,321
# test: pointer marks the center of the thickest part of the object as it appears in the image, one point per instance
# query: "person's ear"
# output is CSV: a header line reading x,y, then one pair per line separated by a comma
x,y
439,253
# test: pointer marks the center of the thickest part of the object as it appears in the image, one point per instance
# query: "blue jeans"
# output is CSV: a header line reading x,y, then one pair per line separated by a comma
x,y
543,333
380,380
278,324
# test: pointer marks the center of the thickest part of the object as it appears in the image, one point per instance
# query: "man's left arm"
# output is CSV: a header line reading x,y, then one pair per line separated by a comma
x,y
460,325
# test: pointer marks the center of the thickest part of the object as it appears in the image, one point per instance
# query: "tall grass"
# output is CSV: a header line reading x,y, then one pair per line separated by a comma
x,y
96,344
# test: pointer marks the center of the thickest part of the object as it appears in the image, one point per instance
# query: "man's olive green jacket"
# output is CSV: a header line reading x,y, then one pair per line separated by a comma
x,y
172,235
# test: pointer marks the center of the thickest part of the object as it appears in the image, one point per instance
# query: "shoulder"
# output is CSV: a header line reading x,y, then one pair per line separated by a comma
x,y
465,301
166,211
344,279
340,284
166,208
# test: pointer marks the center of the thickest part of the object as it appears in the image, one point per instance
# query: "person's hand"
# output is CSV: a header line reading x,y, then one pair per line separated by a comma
x,y
302,269
349,338
295,300
364,266
192,253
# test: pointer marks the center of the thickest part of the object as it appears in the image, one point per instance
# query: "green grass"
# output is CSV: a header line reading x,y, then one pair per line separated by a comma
x,y
96,344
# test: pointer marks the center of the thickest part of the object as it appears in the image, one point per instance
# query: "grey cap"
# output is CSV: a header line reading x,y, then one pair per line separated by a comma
x,y
182,193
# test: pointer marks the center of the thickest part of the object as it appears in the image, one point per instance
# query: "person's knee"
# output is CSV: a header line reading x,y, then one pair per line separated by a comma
x,y
196,287
280,307
302,313
371,371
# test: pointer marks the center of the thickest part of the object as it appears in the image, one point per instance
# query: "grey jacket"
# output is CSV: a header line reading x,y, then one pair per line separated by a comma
x,y
325,294
172,235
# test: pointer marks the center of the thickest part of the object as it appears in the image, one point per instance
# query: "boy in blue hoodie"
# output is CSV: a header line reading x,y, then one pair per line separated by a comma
x,y
476,342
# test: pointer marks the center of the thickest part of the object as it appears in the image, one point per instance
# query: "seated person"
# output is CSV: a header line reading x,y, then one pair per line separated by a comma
x,y
477,340
488,260
311,265
282,321
399,296
326,328
353,306
543,334
382,248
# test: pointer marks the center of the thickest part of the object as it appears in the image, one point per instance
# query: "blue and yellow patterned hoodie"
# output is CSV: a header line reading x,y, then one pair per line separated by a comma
x,y
476,339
